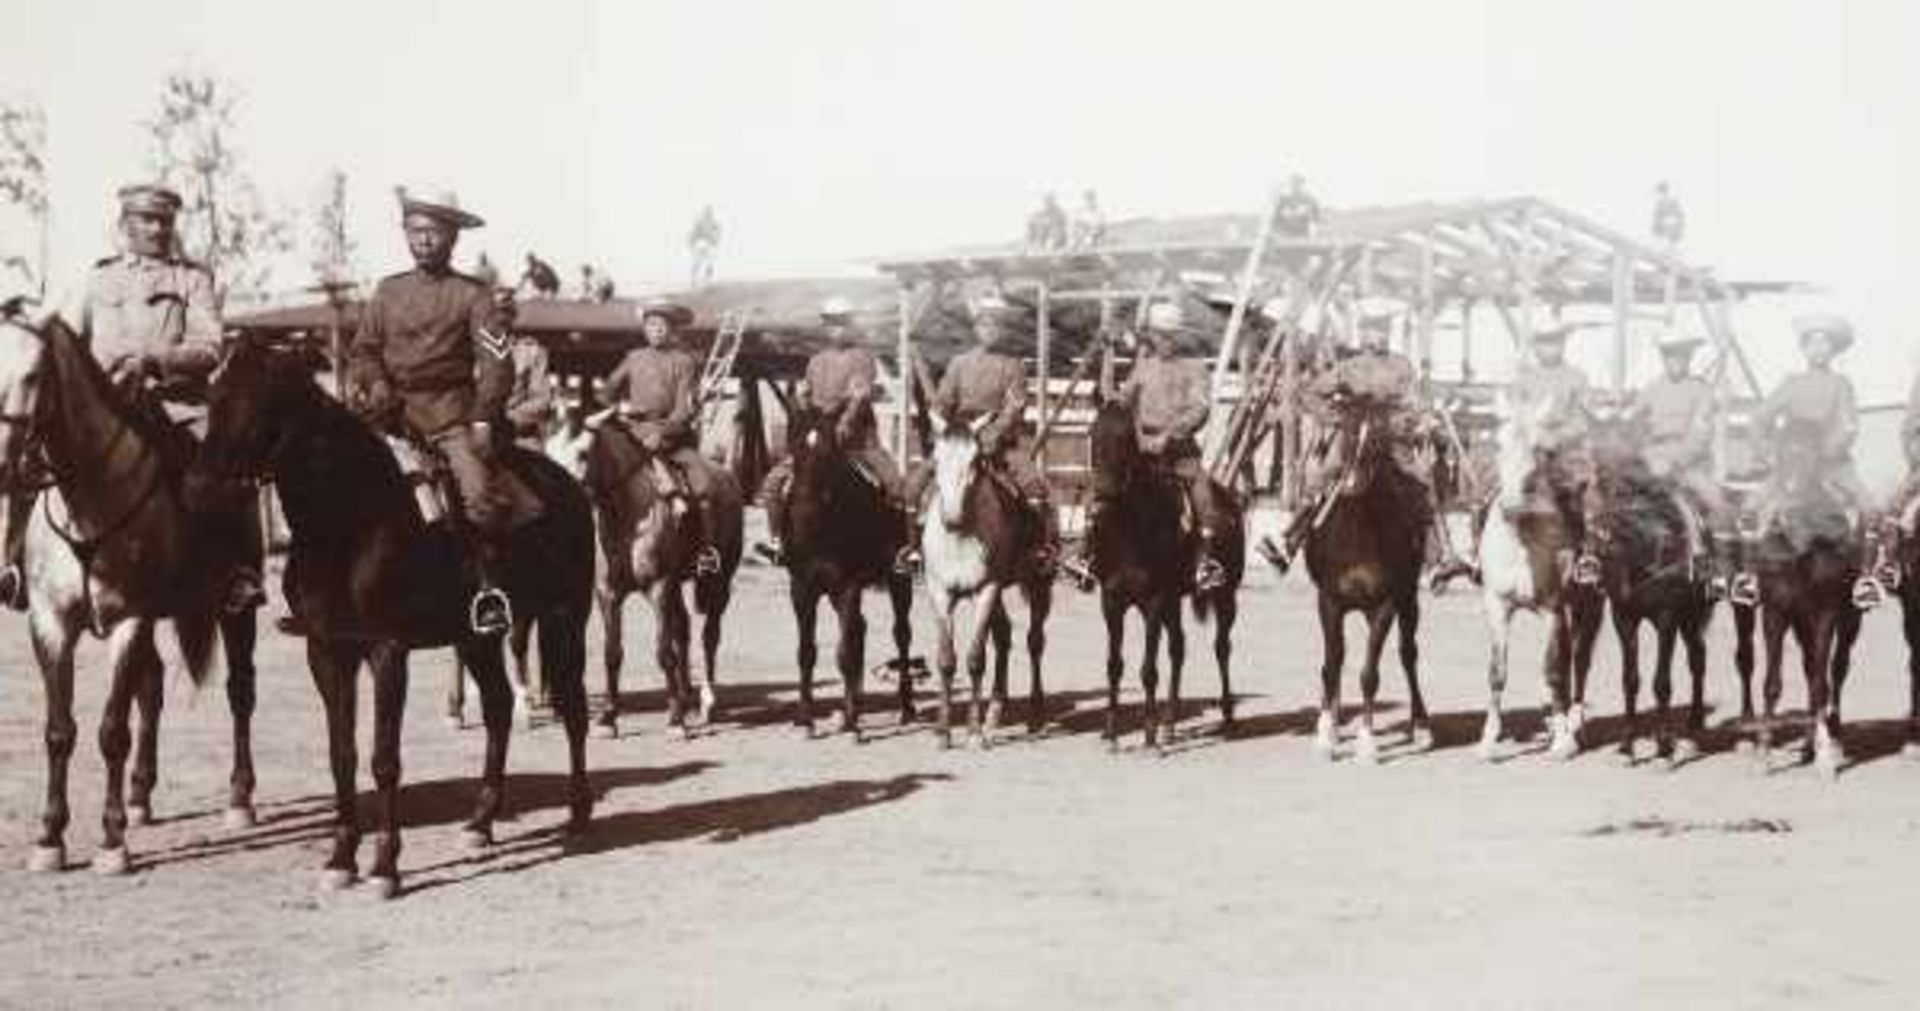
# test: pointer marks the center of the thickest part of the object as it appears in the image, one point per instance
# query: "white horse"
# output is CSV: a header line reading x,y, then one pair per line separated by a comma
x,y
1525,551
978,542
112,549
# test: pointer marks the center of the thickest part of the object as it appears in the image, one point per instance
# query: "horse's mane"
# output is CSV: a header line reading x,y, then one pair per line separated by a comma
x,y
614,455
75,370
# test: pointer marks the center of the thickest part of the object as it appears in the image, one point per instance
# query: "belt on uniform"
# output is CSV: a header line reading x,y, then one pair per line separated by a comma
x,y
431,385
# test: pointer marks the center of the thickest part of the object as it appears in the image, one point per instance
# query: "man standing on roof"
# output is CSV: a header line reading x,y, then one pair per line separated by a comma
x,y
1170,399
839,385
1815,409
704,243
987,382
428,356
148,317
1089,224
1675,413
657,390
1296,215
1669,220
1381,378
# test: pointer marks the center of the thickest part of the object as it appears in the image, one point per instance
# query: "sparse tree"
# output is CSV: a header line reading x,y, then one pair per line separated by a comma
x,y
333,249
226,223
23,187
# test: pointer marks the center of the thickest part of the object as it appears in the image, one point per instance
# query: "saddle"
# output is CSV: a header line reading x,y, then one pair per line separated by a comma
x,y
434,493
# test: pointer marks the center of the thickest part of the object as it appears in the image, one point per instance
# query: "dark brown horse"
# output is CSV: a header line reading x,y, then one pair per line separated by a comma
x,y
1144,555
1365,555
1807,561
648,547
112,548
1650,577
370,580
842,536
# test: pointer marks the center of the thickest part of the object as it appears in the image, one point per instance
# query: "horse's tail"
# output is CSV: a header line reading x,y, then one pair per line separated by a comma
x,y
196,634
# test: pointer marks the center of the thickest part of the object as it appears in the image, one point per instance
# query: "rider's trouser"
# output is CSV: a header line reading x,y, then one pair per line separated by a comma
x,y
482,505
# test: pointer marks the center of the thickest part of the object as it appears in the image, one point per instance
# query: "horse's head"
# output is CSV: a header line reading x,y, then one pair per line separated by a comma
x,y
1515,452
23,367
247,411
1112,447
956,454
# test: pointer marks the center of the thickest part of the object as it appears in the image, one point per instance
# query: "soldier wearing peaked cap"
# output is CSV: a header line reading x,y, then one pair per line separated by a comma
x,y
148,316
428,356
656,388
839,385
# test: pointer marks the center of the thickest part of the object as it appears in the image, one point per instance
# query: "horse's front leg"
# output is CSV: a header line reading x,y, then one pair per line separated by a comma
x,y
53,640
134,663
900,597
1000,639
1693,634
1667,636
1176,665
1910,624
1419,725
335,667
1366,747
1039,604
806,614
1585,613
1774,632
985,605
945,661
456,704
1114,610
1562,742
389,663
671,639
711,621
238,632
1226,609
1816,654
613,651
851,656
1155,614
1499,617
1626,628
482,657
150,698
1333,658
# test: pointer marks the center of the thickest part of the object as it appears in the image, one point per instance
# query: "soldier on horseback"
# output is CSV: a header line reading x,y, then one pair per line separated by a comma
x,y
1818,404
1170,399
149,318
1675,414
1379,376
988,383
426,359
839,385
656,389
1557,391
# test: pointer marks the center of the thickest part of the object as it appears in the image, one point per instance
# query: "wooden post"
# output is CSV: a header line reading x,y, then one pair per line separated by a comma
x,y
1249,273
904,354
1043,356
1466,340
1424,322
1624,300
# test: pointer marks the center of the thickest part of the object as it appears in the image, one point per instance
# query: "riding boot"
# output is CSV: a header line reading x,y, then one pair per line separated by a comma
x,y
774,548
1208,571
706,557
1450,566
1868,591
906,561
1078,564
1046,557
1292,539
490,612
13,577
1724,566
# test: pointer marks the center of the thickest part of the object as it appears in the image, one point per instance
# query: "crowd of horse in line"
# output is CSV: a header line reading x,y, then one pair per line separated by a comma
x,y
113,549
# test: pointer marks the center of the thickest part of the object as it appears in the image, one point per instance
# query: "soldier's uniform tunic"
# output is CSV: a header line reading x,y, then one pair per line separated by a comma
x,y
1171,399
988,384
1561,437
1678,429
839,384
426,337
657,388
1816,404
530,402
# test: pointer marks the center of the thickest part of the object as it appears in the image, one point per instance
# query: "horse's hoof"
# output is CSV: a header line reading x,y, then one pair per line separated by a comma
x,y
47,859
112,862
1420,738
1911,751
1685,750
606,730
1577,719
525,712
139,814
1323,748
1487,750
685,734
1113,746
978,742
238,819
1828,761
382,887
476,840
1744,746
1366,750
454,721
1563,747
336,879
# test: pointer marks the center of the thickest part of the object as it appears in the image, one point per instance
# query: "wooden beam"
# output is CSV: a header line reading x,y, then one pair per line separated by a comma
x,y
1623,303
1043,354
1249,272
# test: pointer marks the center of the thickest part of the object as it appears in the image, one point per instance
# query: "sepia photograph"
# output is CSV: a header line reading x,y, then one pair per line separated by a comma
x,y
987,504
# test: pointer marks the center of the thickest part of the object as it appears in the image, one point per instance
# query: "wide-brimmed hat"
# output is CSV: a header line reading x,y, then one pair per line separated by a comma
x,y
990,304
667,309
440,205
1556,333
836,307
1835,327
1166,317
149,198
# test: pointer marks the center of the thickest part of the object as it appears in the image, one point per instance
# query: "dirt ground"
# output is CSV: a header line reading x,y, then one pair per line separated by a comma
x,y
750,867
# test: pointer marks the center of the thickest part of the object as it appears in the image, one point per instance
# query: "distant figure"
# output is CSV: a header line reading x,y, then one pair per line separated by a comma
x,y
1669,220
588,281
1296,215
485,272
603,288
1089,225
541,277
704,243
1047,227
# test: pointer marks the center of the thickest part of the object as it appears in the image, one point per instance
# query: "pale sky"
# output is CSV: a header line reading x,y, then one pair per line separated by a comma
x,y
827,132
